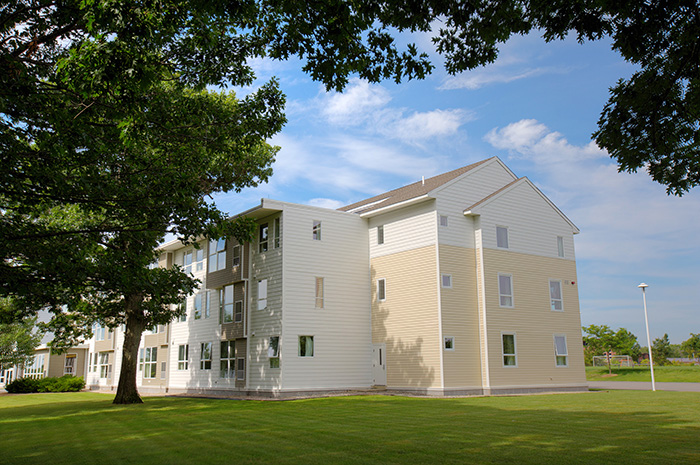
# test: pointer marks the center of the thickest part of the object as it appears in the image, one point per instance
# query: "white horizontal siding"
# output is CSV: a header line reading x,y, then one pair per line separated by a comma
x,y
410,228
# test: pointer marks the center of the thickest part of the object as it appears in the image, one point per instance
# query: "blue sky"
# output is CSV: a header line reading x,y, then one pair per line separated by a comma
x,y
535,108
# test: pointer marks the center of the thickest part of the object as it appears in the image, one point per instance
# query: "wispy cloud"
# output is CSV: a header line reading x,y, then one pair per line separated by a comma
x,y
497,74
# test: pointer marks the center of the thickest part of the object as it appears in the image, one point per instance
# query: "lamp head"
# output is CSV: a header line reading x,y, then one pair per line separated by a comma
x,y
643,286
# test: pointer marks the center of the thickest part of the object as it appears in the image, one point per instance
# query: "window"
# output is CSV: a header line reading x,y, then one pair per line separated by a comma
x,y
69,368
205,357
36,368
105,367
99,331
201,307
273,351
206,303
228,359
236,255
187,261
92,361
163,367
226,300
560,246
447,281
150,365
183,357
509,358
449,343
141,355
381,290
501,237
182,307
217,254
560,352
240,368
262,238
306,346
319,292
505,290
277,233
380,235
557,303
238,312
316,231
262,294
443,221
199,259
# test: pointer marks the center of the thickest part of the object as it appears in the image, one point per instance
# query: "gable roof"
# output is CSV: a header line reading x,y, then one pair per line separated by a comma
x,y
411,191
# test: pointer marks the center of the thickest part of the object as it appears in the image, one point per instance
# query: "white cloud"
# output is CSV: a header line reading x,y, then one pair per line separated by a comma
x,y
359,100
420,126
333,204
493,74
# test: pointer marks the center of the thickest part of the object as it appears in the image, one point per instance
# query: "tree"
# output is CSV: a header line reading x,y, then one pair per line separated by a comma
x,y
661,350
691,346
601,340
18,339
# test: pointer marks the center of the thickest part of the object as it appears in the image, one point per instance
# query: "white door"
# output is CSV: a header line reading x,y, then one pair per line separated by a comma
x,y
379,364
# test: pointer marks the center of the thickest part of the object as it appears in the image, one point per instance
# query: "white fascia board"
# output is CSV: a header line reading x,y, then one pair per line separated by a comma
x,y
396,206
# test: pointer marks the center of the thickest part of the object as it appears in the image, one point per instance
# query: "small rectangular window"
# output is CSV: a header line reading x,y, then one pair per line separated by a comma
x,y
443,221
263,238
381,289
273,351
306,346
560,352
560,246
262,294
240,368
447,281
449,343
236,255
205,357
380,235
238,312
505,290
557,304
501,237
277,233
319,292
199,259
163,366
183,357
316,231
509,354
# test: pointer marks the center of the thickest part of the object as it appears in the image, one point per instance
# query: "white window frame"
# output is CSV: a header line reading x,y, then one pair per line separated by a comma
x,y
227,357
560,246
446,281
226,305
278,232
262,294
448,343
182,306
503,350
319,292
183,357
217,254
263,237
316,230
507,237
105,366
561,360
552,300
238,311
273,351
205,356
501,294
187,258
198,259
69,368
236,253
444,221
150,363
380,234
381,290
201,309
306,352
36,368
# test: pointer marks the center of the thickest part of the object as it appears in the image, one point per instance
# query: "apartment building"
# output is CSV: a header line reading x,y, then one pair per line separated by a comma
x,y
463,283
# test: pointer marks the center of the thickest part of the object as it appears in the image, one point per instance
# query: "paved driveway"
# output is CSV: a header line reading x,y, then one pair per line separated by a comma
x,y
644,386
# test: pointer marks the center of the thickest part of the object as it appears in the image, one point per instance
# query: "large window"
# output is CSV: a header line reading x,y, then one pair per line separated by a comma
x,y
505,290
556,301
99,331
561,354
273,351
306,346
228,359
187,261
205,356
150,362
501,237
319,293
509,356
183,357
263,238
217,254
36,368
69,367
105,367
381,289
226,299
262,294
316,231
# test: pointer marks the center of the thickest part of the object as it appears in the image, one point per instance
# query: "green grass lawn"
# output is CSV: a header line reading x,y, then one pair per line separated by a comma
x,y
615,427
669,374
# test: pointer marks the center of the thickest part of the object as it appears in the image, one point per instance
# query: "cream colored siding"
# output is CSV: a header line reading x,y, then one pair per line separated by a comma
x,y
532,320
408,320
342,341
460,318
533,225
410,228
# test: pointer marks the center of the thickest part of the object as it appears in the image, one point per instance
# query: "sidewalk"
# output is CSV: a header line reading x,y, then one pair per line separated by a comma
x,y
644,386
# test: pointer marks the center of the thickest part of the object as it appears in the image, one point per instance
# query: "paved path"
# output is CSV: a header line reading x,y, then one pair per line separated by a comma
x,y
644,386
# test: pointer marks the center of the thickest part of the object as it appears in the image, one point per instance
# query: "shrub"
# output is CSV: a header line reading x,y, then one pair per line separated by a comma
x,y
65,383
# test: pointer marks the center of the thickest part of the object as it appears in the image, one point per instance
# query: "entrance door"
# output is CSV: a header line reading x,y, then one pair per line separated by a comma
x,y
379,364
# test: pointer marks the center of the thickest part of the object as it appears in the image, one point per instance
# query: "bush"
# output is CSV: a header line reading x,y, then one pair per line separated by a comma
x,y
65,383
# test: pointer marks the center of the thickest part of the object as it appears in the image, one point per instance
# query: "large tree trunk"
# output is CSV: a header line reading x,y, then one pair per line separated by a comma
x,y
135,325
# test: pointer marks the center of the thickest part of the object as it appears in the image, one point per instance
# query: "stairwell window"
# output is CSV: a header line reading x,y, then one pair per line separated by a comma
x,y
236,255
505,290
200,306
238,312
561,354
502,237
557,304
316,230
187,261
226,299
380,235
319,292
278,231
509,354
381,290
262,294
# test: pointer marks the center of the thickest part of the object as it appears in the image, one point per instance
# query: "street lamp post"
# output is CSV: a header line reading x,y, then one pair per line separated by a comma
x,y
644,286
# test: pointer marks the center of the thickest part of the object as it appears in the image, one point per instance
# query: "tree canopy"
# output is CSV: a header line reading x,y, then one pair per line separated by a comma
x,y
691,346
602,340
18,339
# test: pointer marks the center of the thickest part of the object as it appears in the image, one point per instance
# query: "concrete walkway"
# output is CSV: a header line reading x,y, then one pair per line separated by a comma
x,y
644,386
